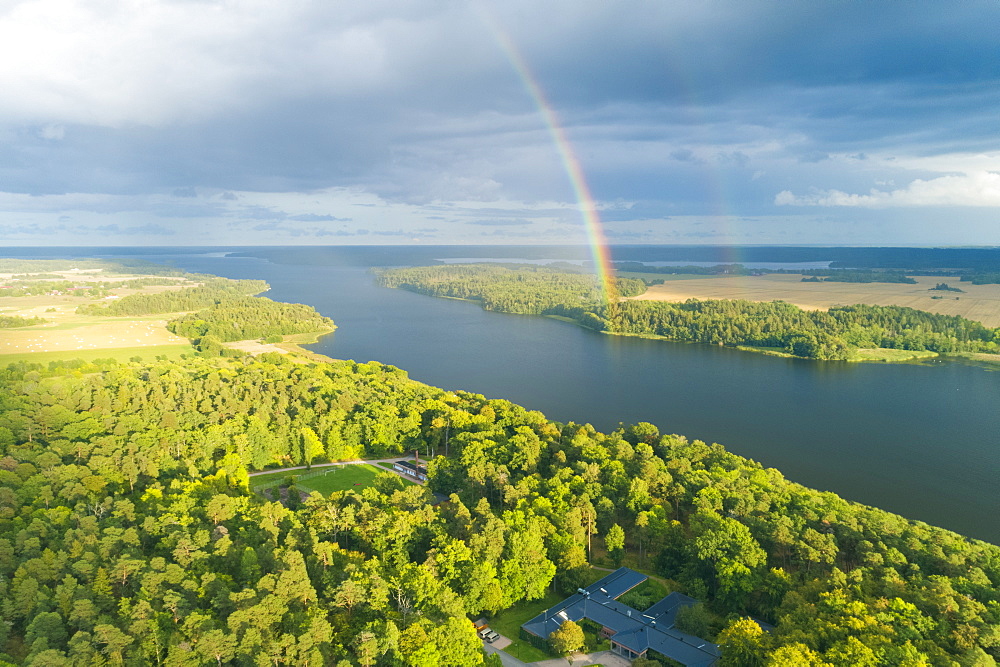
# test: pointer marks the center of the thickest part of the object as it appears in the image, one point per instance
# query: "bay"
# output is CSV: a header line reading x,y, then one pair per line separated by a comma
x,y
922,440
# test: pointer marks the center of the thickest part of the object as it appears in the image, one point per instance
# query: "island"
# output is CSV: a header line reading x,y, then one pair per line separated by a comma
x,y
859,332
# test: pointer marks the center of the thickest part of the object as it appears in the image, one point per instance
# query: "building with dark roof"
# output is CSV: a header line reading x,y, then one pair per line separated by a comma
x,y
632,633
411,469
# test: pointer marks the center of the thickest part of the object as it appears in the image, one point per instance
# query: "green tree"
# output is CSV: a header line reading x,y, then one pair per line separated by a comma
x,y
743,644
615,542
567,638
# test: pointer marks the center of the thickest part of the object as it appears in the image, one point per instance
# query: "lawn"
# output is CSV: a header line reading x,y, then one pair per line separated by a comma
x,y
122,354
890,355
326,479
509,621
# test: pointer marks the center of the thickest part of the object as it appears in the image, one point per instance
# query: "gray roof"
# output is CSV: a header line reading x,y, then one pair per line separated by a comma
x,y
597,603
636,630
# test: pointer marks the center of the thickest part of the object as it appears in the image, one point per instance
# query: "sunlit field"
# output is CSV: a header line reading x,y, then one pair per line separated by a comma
x,y
976,302
65,331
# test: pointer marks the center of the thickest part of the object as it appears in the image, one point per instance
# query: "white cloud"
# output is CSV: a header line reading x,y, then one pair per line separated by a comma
x,y
154,62
974,189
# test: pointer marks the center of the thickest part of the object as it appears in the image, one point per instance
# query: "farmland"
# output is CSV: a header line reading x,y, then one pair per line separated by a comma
x,y
978,302
67,333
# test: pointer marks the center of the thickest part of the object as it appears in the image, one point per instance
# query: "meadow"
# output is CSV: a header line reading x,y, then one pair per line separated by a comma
x,y
326,479
977,302
67,334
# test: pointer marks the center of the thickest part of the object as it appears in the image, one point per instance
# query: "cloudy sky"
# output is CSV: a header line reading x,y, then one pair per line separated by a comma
x,y
204,122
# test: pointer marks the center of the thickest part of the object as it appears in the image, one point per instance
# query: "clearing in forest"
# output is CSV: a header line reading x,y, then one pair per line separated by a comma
x,y
325,479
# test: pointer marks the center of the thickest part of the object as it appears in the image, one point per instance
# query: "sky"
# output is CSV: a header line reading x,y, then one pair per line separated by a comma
x,y
246,122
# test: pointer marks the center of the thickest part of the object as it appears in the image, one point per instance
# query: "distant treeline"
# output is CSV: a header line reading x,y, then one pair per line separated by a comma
x,y
35,284
718,269
833,334
816,275
14,321
524,290
176,301
136,266
982,278
36,287
840,276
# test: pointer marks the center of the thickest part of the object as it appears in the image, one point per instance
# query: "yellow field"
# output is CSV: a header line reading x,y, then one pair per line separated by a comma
x,y
67,331
979,302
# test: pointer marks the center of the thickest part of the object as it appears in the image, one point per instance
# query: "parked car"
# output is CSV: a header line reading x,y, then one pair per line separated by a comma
x,y
482,632
492,636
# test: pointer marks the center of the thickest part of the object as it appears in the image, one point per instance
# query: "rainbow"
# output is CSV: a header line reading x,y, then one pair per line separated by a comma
x,y
585,201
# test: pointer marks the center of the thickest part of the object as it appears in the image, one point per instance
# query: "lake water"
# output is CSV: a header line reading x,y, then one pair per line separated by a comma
x,y
920,440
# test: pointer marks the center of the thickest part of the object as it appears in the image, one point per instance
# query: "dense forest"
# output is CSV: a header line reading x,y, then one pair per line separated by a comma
x,y
835,334
128,534
522,290
832,334
209,293
247,317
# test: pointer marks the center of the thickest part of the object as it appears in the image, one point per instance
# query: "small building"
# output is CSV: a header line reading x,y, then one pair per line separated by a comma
x,y
632,633
411,469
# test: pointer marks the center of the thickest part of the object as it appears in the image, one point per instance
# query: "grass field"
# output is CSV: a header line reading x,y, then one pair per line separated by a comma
x,y
890,355
861,354
121,354
509,621
978,302
65,331
330,478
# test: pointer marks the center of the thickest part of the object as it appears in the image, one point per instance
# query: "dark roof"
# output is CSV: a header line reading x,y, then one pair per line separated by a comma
x,y
593,603
665,611
636,630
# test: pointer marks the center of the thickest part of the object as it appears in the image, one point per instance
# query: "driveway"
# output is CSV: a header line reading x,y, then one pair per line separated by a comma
x,y
606,658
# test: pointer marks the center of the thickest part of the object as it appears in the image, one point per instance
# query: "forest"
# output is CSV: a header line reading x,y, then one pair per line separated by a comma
x,y
210,292
129,535
524,290
247,317
835,334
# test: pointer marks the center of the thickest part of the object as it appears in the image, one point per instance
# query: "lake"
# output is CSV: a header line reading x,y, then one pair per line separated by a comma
x,y
922,440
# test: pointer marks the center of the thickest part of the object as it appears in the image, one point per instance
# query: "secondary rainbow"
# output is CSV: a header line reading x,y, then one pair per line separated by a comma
x,y
585,201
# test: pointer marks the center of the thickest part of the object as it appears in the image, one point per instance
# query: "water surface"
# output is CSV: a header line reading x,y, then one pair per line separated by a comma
x,y
920,440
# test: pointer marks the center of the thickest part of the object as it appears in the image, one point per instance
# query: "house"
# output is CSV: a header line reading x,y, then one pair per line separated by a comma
x,y
632,633
411,469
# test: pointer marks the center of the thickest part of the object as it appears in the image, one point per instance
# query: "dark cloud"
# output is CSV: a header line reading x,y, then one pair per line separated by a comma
x,y
707,108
